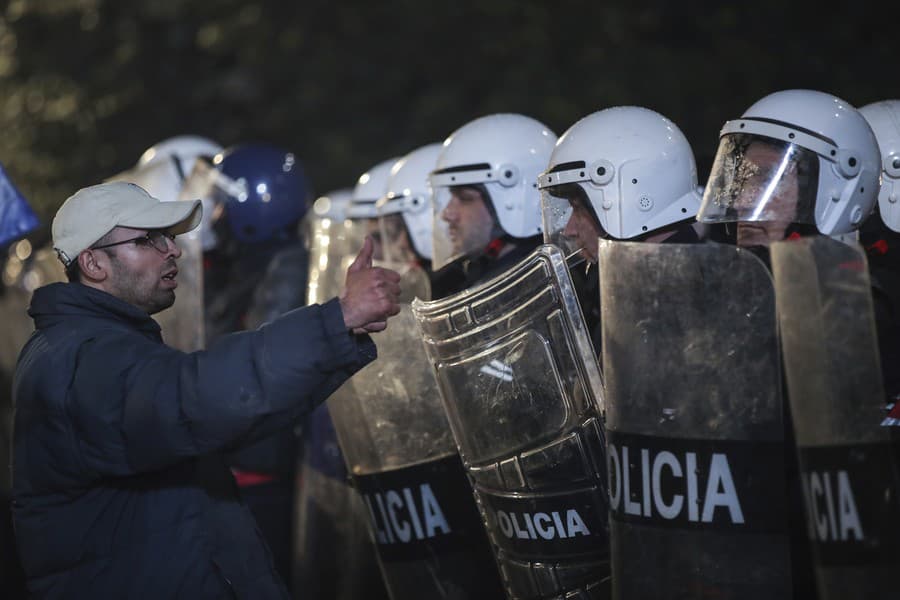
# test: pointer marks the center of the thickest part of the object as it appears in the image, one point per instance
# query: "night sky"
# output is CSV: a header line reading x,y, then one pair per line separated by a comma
x,y
87,85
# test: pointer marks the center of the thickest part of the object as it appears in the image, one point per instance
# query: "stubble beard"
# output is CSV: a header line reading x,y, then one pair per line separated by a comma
x,y
142,293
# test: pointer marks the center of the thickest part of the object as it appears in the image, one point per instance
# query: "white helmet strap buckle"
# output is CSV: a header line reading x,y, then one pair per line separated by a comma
x,y
601,172
847,163
508,175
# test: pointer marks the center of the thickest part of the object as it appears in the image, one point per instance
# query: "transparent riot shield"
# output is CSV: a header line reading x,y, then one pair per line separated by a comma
x,y
697,481
848,460
403,461
335,554
333,245
182,323
520,385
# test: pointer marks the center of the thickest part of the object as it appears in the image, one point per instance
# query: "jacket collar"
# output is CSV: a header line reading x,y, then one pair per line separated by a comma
x,y
57,301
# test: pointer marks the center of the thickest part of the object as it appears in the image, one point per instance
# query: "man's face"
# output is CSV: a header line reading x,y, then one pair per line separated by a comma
x,y
583,228
469,221
762,162
138,273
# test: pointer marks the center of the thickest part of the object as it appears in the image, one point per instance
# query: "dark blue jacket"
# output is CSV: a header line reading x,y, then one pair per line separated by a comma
x,y
119,489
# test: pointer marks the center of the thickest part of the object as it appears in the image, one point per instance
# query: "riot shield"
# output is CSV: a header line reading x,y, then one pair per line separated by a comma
x,y
404,462
848,462
335,555
182,323
697,481
519,382
333,245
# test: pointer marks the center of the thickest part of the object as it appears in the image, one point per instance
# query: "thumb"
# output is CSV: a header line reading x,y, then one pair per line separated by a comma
x,y
363,260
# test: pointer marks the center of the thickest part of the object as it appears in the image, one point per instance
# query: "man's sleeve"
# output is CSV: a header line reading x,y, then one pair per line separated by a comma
x,y
156,405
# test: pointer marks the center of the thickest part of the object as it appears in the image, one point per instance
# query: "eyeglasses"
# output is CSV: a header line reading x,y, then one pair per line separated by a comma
x,y
156,239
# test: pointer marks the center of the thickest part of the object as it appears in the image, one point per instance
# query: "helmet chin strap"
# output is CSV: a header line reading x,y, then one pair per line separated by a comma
x,y
795,230
495,247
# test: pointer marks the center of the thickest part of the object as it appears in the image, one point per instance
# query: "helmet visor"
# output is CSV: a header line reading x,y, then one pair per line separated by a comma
x,y
203,183
334,245
396,246
569,220
462,223
761,179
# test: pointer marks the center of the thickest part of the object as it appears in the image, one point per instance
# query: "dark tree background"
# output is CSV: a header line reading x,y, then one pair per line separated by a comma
x,y
87,85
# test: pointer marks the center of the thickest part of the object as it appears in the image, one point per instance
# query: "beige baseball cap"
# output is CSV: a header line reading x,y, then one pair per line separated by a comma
x,y
92,212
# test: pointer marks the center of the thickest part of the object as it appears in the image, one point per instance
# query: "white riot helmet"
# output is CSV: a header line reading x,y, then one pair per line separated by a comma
x,y
628,169
333,205
331,208
164,170
501,155
797,156
371,186
182,149
177,156
884,118
404,213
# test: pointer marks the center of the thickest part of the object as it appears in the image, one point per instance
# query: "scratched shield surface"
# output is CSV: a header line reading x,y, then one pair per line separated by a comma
x,y
695,428
846,436
520,384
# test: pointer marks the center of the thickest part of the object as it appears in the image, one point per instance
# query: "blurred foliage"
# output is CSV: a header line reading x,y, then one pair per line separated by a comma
x,y
87,85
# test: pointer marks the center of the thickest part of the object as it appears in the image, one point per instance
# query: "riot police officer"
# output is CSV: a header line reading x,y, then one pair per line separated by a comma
x,y
835,319
880,236
797,163
369,188
404,221
622,173
260,272
485,202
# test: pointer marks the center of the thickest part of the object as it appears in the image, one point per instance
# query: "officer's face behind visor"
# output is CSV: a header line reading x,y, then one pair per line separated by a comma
x,y
395,240
467,217
576,226
763,184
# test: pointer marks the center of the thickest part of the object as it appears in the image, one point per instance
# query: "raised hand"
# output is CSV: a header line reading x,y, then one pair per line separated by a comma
x,y
370,293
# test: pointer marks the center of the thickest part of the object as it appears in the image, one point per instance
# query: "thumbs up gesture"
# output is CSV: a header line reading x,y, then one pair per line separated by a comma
x,y
370,293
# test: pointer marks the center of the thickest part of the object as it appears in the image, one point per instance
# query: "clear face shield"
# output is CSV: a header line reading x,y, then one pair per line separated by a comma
x,y
396,244
398,253
215,190
763,182
569,221
333,246
463,220
463,223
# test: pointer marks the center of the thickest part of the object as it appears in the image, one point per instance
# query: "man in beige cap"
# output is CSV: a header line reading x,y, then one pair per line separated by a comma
x,y
118,482
123,215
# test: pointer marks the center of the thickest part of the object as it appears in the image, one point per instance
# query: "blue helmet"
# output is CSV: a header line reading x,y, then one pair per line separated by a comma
x,y
264,191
